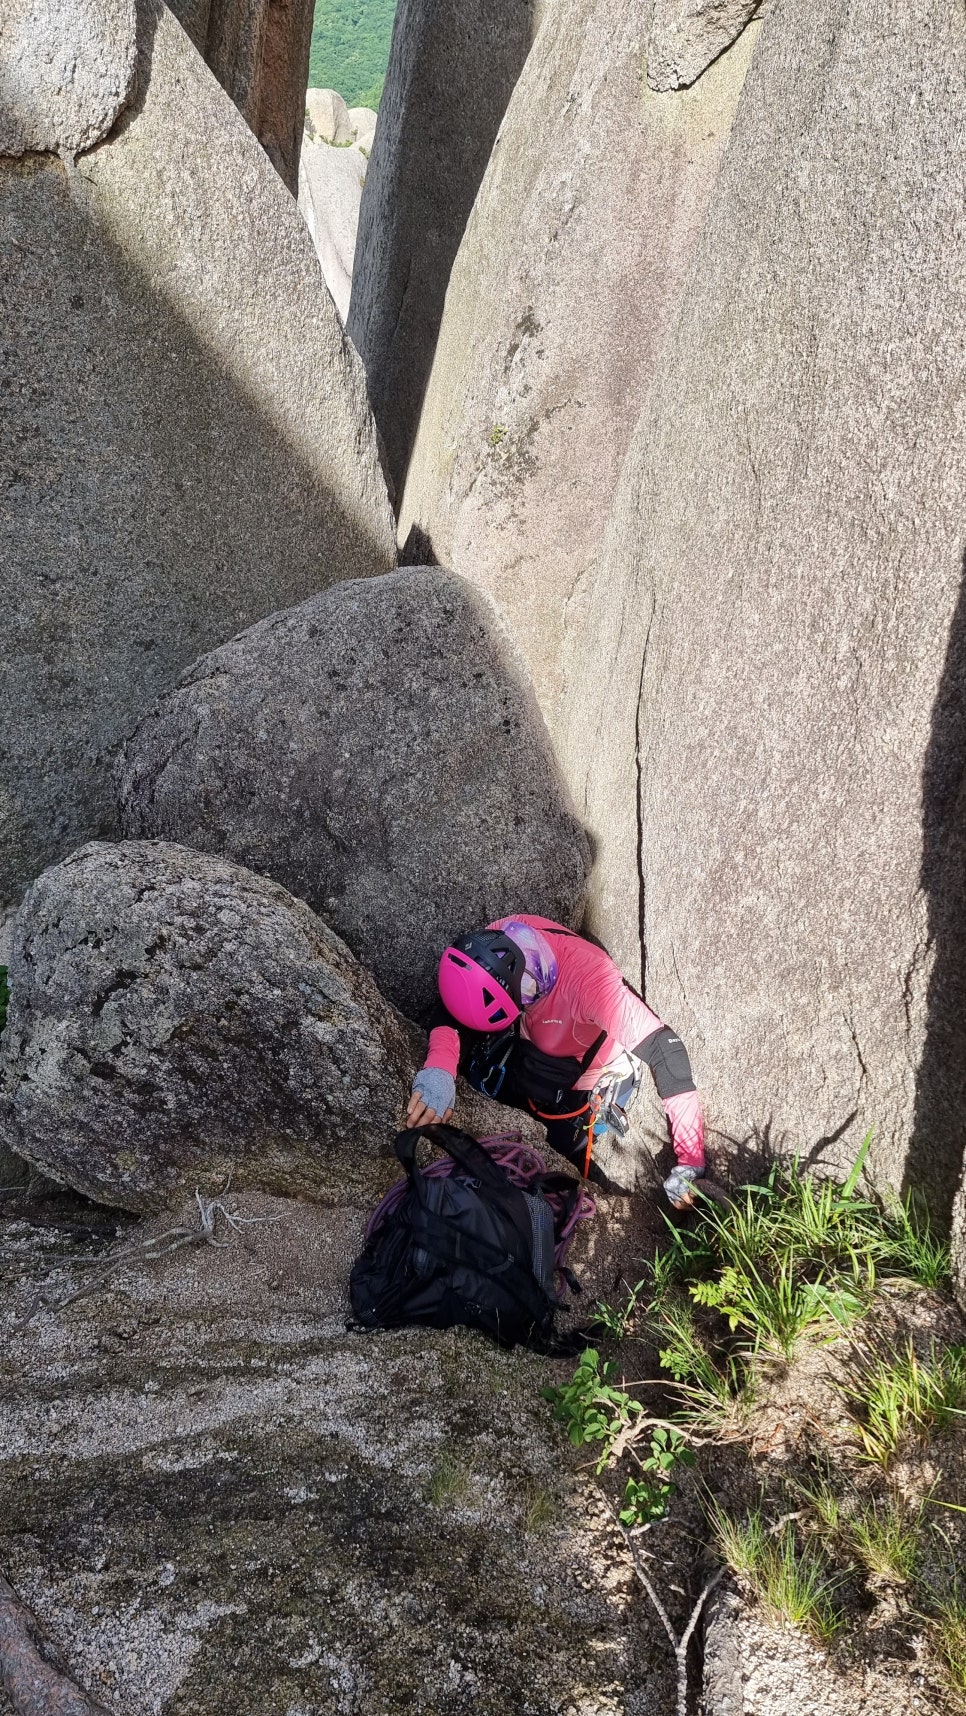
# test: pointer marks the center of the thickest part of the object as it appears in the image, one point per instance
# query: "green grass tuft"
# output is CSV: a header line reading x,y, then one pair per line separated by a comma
x,y
794,1584
896,1398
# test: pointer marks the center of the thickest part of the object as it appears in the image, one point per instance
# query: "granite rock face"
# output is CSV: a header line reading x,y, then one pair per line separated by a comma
x,y
327,118
793,613
239,1504
66,72
331,179
259,52
175,1021
687,35
551,332
189,445
378,751
452,68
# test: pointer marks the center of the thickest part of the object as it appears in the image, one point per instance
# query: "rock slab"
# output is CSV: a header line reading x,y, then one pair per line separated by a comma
x,y
331,180
452,68
794,612
688,35
259,52
189,444
567,279
379,752
176,1021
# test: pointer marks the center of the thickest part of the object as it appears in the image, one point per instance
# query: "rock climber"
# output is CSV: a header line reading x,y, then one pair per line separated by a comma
x,y
541,1019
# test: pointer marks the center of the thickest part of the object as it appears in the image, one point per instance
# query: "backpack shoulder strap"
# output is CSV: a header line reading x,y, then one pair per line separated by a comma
x,y
463,1148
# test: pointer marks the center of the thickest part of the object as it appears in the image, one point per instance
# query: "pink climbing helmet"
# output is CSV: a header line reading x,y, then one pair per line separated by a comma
x,y
480,980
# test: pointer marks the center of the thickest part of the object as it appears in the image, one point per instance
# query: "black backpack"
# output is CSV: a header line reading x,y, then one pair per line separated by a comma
x,y
465,1246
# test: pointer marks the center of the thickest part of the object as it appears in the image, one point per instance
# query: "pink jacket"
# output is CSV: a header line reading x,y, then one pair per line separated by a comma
x,y
589,996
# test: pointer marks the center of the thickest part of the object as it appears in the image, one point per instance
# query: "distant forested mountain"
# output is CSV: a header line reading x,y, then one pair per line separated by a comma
x,y
350,48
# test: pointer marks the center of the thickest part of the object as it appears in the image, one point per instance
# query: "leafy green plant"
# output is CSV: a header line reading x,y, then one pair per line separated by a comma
x,y
4,996
897,1397
646,1497
793,1583
592,1407
714,1394
595,1410
497,434
615,1320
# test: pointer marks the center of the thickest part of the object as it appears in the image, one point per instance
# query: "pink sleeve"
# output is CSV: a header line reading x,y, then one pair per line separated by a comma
x,y
444,1049
620,1011
687,1128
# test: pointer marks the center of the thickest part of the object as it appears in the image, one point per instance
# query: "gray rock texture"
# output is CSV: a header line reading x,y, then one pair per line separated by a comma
x,y
363,122
327,117
259,52
175,1021
66,71
237,1504
567,278
783,579
331,178
188,445
687,35
452,69
379,752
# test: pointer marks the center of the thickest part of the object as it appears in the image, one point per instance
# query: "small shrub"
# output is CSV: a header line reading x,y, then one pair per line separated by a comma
x,y
595,1410
897,1397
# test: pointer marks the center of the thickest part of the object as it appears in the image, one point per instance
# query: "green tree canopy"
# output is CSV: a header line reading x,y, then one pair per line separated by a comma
x,y
350,48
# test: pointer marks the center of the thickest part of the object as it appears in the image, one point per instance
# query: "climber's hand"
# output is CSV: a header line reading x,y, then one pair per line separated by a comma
x,y
680,1187
433,1097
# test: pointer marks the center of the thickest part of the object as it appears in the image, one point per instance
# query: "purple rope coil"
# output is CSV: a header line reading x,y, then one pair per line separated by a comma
x,y
522,1165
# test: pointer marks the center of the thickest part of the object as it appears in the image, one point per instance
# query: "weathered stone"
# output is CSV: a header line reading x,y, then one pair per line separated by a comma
x,y
363,121
568,276
175,1020
234,1503
331,177
66,71
452,69
687,35
327,118
188,444
959,1245
784,580
379,752
259,52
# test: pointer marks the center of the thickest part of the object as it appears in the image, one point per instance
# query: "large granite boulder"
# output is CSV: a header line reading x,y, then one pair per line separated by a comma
x,y
566,282
188,444
259,52
331,177
176,1022
452,68
379,752
784,581
327,117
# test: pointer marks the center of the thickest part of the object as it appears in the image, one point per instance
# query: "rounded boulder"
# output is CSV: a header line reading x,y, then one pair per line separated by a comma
x,y
378,750
176,1022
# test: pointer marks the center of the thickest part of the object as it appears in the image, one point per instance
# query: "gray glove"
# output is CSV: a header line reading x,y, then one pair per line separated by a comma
x,y
680,1183
436,1087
